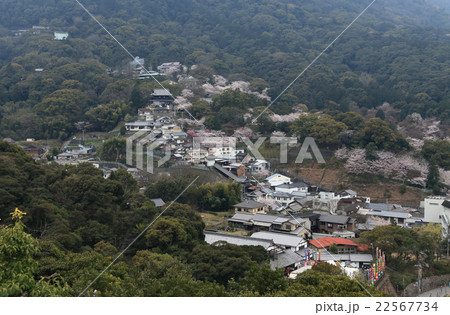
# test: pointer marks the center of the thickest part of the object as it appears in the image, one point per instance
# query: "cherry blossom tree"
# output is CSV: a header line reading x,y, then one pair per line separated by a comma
x,y
387,164
341,153
278,134
221,84
192,133
182,102
285,118
186,93
444,176
417,144
243,132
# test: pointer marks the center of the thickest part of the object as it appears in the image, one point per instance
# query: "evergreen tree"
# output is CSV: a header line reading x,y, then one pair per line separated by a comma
x,y
433,178
136,98
380,114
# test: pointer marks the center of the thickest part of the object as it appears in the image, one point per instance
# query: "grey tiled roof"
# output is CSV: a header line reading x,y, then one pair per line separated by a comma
x,y
281,194
446,203
295,207
285,259
266,190
297,230
294,185
249,204
383,206
337,219
390,214
264,217
303,200
212,237
281,220
361,258
280,238
158,202
241,217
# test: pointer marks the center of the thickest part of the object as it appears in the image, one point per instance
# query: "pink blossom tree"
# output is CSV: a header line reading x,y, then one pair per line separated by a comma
x,y
387,164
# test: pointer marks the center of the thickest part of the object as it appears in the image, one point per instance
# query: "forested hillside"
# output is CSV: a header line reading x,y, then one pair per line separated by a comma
x,y
396,52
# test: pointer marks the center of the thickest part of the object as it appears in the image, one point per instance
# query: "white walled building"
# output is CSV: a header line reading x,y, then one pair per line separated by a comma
x,y
293,188
225,153
437,210
139,126
259,166
277,179
61,35
433,209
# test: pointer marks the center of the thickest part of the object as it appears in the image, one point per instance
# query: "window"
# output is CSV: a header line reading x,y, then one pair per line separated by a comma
x,y
342,226
288,226
330,225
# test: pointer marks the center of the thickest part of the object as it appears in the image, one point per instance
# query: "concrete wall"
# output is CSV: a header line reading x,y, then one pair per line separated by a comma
x,y
428,284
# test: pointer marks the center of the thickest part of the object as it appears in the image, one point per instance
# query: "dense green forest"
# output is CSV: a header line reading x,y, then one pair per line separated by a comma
x,y
396,52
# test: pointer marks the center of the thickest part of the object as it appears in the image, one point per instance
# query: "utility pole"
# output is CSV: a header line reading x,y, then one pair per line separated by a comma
x,y
419,269
448,242
403,286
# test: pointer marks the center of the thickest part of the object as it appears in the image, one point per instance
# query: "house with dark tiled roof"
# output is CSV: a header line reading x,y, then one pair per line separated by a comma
x,y
286,260
331,223
292,242
348,194
294,225
280,256
34,150
250,206
282,197
297,187
300,203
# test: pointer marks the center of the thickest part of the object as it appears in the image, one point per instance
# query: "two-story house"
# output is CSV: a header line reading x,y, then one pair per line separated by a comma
x,y
332,223
292,188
